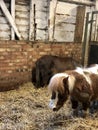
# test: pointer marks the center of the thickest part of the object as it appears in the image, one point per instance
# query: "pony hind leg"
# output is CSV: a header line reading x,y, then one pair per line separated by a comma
x,y
94,107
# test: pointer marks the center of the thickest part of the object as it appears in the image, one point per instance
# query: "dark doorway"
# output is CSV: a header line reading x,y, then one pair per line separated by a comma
x,y
93,55
90,46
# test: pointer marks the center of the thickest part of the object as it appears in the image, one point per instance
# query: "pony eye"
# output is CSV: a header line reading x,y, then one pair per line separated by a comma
x,y
60,95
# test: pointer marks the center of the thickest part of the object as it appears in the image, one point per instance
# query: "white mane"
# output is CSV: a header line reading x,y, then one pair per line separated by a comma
x,y
57,78
85,72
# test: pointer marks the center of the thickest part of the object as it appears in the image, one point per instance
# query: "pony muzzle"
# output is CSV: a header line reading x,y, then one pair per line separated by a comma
x,y
56,108
52,104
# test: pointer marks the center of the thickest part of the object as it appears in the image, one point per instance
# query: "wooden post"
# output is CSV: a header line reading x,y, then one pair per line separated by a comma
x,y
96,4
31,27
53,7
13,15
9,18
87,38
79,24
80,2
54,19
85,41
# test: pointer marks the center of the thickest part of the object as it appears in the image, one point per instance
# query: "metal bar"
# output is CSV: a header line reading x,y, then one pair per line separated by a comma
x,y
95,30
85,38
91,26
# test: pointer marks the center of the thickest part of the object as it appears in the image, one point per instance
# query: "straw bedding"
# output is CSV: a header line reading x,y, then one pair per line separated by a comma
x,y
27,109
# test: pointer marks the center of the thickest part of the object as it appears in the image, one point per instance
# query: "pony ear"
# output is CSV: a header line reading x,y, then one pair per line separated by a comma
x,y
65,80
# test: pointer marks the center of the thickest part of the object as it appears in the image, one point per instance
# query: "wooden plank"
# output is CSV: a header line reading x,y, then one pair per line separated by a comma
x,y
3,20
4,27
22,18
79,24
68,19
21,14
66,8
64,35
22,8
13,15
65,27
23,28
9,18
5,35
21,21
40,34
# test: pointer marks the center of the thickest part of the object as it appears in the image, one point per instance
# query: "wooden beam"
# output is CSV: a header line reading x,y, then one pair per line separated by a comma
x,y
85,2
31,23
53,8
54,19
13,15
96,4
79,24
9,18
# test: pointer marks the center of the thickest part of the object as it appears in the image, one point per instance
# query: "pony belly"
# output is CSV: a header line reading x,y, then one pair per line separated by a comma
x,y
81,97
84,96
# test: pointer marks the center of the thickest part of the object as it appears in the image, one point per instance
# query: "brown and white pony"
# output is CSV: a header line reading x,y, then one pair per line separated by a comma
x,y
81,85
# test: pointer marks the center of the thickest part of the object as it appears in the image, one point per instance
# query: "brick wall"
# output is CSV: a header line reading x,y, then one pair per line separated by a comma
x,y
17,59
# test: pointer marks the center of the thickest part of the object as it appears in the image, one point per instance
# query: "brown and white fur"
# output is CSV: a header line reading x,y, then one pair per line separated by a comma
x,y
79,84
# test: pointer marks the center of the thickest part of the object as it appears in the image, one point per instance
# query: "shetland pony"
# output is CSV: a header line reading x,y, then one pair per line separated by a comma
x,y
48,65
79,84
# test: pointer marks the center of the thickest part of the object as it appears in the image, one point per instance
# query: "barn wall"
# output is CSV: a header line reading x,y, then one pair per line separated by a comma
x,y
63,20
17,59
22,16
35,20
26,17
5,29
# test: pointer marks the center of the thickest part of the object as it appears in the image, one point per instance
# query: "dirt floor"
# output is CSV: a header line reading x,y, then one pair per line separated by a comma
x,y
27,109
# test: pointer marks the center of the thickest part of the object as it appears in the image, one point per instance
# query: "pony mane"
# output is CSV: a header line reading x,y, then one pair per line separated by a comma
x,y
93,69
56,82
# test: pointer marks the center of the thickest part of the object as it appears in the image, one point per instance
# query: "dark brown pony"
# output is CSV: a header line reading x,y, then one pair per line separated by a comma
x,y
81,85
48,65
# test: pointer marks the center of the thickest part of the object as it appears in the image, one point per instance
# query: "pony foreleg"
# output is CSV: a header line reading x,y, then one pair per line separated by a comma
x,y
85,110
74,107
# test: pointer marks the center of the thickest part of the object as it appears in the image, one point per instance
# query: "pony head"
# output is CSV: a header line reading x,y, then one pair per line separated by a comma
x,y
59,88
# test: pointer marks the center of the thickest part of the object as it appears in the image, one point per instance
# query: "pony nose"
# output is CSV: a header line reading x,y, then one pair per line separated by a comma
x,y
54,109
